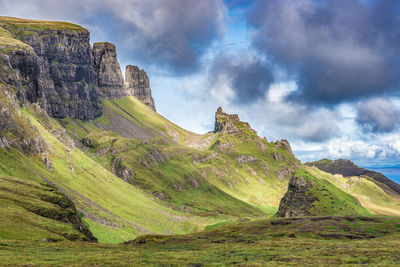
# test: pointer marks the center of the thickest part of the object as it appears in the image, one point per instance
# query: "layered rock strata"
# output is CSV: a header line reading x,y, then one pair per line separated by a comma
x,y
108,70
137,84
57,68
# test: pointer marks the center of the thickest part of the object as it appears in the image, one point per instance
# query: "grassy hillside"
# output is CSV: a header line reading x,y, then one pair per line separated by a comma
x,y
318,241
348,168
197,173
311,196
174,188
33,211
369,194
13,29
114,210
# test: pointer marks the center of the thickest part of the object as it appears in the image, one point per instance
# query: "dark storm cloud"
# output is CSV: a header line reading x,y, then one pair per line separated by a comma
x,y
378,115
338,50
249,78
170,34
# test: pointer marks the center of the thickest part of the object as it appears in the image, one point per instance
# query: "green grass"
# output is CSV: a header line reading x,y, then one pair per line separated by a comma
x,y
32,211
8,42
14,29
232,194
278,242
33,25
123,210
331,200
369,194
116,211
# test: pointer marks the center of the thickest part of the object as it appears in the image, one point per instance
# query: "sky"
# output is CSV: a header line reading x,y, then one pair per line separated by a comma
x,y
323,74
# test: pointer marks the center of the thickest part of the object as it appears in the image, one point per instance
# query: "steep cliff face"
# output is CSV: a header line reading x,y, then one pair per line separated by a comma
x,y
108,70
58,69
137,84
16,131
70,88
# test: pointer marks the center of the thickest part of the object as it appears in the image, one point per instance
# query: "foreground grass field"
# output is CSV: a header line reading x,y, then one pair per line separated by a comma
x,y
313,241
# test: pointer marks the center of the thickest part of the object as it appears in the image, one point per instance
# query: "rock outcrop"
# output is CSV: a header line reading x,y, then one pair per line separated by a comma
x,y
16,130
284,144
108,70
296,201
137,84
57,68
230,123
62,71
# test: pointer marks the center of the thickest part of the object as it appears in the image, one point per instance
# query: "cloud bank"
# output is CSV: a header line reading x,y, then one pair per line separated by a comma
x,y
378,115
337,50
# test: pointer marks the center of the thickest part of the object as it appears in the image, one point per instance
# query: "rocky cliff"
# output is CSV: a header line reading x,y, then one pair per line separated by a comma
x,y
137,84
230,123
108,70
57,68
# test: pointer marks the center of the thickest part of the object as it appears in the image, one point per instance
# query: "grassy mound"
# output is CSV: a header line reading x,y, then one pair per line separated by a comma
x,y
310,196
33,211
290,242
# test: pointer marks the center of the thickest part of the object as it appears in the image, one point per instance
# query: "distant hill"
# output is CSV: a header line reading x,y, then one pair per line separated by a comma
x,y
348,168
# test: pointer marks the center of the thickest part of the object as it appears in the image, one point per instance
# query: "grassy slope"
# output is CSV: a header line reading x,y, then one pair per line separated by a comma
x,y
115,211
289,242
225,177
29,211
331,200
369,194
32,25
12,29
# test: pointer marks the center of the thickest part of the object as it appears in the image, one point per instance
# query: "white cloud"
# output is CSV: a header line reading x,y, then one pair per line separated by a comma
x,y
278,91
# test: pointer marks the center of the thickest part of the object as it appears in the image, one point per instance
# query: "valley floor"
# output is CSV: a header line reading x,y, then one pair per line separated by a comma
x,y
283,242
277,251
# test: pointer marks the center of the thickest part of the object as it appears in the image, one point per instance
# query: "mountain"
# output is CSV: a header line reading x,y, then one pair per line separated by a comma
x,y
84,156
348,168
376,196
70,119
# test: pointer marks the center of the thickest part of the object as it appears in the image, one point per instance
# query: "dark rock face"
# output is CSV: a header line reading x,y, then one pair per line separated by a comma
x,y
15,128
108,70
137,84
296,201
156,156
66,77
348,168
120,170
277,156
